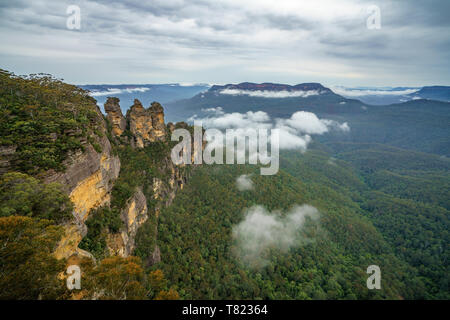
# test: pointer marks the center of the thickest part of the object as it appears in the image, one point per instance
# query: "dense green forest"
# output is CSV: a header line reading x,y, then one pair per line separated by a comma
x,y
360,224
45,119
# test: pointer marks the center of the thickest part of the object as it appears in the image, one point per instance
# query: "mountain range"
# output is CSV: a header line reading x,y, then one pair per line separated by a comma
x,y
417,124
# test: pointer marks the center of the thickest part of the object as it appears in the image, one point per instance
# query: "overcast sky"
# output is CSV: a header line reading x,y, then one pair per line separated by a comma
x,y
229,41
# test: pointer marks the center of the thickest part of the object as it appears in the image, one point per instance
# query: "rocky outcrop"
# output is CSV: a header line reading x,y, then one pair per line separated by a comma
x,y
159,127
146,125
140,123
68,245
136,212
133,216
115,116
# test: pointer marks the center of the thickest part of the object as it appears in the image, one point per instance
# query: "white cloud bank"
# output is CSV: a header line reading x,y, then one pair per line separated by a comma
x,y
271,94
244,183
262,230
294,133
355,92
113,91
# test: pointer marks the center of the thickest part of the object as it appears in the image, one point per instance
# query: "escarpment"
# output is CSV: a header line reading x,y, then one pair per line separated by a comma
x,y
147,136
81,185
133,216
141,140
95,180
110,175
88,180
138,161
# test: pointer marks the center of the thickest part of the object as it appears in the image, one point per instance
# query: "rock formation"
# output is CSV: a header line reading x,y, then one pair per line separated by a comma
x,y
159,128
146,125
133,216
90,176
115,116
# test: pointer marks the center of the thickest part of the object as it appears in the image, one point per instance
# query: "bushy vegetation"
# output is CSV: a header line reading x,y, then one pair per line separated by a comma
x,y
146,238
27,268
23,195
45,119
101,222
29,271
117,278
407,202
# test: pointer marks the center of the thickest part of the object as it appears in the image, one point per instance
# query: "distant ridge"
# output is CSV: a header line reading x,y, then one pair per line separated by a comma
x,y
434,92
267,86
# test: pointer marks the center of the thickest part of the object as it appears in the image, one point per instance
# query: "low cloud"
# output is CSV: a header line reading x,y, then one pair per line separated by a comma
x,y
334,125
262,230
115,91
234,120
332,161
356,92
244,183
306,122
192,84
294,132
271,94
217,110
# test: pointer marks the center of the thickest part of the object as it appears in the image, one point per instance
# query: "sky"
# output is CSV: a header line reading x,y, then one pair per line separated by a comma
x,y
230,41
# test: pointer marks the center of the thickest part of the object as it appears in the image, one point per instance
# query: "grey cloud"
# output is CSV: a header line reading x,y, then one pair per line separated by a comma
x,y
171,39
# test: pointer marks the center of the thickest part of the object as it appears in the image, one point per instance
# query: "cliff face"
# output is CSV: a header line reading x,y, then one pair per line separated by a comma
x,y
88,179
90,175
133,216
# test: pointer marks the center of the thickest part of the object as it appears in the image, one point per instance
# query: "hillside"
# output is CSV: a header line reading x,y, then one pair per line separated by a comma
x,y
441,93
